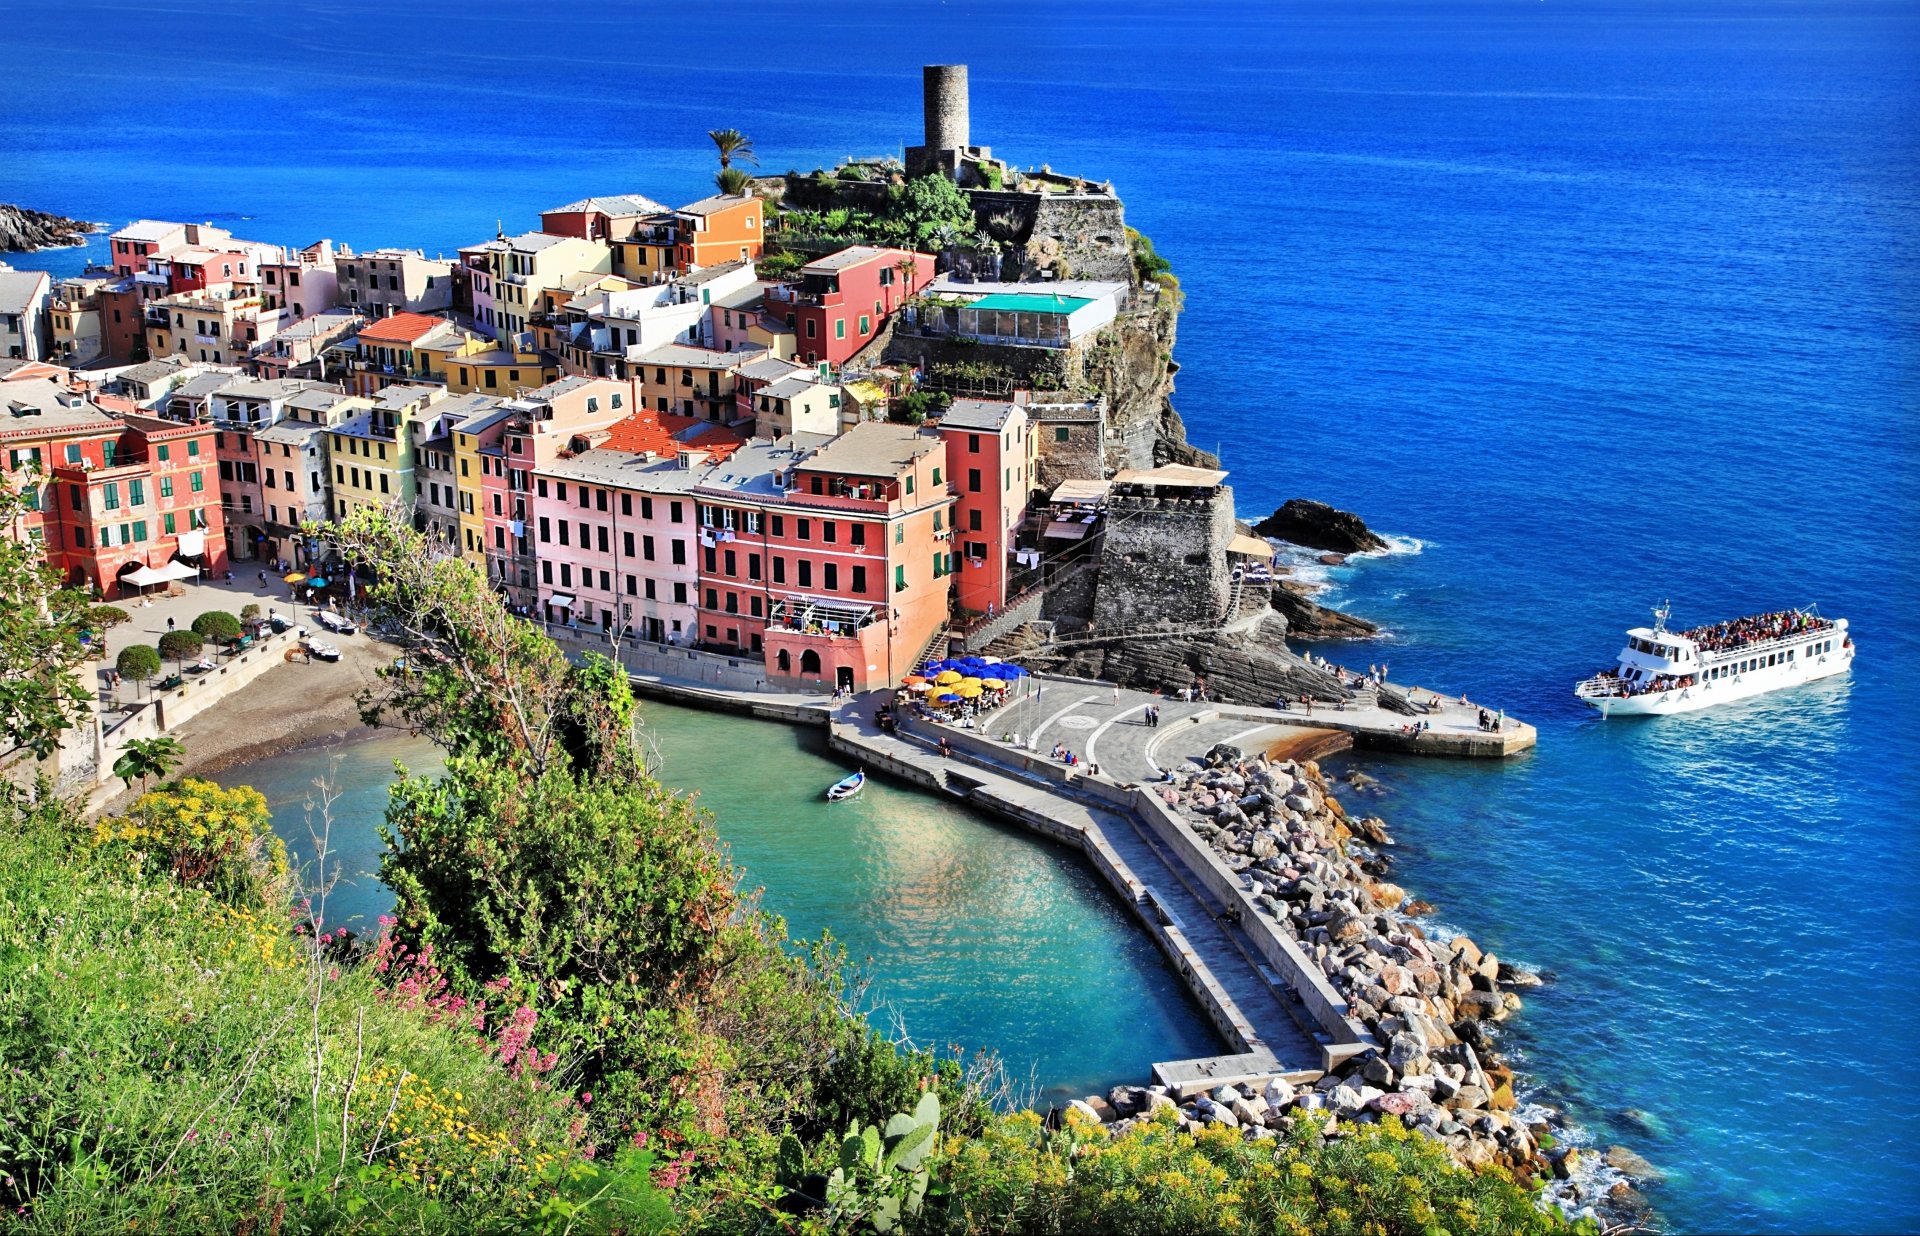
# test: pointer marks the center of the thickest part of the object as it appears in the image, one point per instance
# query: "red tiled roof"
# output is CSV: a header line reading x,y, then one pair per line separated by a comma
x,y
654,431
400,328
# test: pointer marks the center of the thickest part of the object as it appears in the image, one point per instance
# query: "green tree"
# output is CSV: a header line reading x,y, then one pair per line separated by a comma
x,y
931,210
733,144
148,758
138,663
218,626
107,617
177,646
41,622
732,181
249,611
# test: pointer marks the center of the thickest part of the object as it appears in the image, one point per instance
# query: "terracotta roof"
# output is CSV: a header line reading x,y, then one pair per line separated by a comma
x,y
400,328
661,433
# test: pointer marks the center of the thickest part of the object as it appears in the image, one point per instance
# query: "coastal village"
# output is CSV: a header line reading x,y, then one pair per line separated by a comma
x,y
886,448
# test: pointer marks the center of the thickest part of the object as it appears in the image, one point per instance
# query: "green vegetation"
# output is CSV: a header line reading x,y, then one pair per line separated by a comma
x,y
148,758
732,181
179,645
928,213
577,1020
40,628
217,626
732,144
916,406
249,611
138,663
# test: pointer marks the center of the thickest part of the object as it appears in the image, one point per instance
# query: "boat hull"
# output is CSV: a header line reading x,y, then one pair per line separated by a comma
x,y
1723,691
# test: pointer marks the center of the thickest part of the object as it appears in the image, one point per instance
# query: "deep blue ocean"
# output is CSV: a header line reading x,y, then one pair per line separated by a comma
x,y
1596,304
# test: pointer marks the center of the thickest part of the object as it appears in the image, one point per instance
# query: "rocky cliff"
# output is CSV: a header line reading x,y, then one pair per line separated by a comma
x,y
1132,364
23,230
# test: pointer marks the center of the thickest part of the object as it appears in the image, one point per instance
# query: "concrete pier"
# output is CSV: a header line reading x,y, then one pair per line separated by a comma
x,y
1270,1003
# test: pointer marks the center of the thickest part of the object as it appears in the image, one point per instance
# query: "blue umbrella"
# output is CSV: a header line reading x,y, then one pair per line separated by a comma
x,y
316,583
948,697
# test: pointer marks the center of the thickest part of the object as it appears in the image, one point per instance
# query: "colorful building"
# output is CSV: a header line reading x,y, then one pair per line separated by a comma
x,y
26,332
509,275
383,282
301,281
834,562
372,452
990,462
841,300
614,527
600,218
708,232
295,483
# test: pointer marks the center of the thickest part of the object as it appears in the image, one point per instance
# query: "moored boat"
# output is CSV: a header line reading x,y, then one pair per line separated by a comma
x,y
847,787
1662,671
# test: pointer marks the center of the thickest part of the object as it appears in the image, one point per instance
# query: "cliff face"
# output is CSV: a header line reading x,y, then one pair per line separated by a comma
x,y
1132,365
23,230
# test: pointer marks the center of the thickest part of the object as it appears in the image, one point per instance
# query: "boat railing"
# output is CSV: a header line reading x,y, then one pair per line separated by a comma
x,y
1762,645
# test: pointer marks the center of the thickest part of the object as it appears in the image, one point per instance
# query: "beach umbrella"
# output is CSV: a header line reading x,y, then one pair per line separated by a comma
x,y
912,680
969,681
947,697
994,684
316,582
969,690
947,678
922,685
295,577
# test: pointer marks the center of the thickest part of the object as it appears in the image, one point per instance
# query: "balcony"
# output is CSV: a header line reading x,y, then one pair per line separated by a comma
x,y
820,617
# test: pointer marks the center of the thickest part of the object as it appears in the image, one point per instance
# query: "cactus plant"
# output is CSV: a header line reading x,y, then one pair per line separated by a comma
x,y
882,1172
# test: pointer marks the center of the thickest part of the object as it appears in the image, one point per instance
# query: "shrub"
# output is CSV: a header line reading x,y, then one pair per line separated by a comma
x,y
204,836
179,645
106,617
249,611
138,663
218,626
1371,1180
179,1064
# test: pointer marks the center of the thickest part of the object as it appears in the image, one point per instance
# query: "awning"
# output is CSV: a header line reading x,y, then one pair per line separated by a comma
x,y
1251,546
1080,491
562,599
179,570
1067,529
145,576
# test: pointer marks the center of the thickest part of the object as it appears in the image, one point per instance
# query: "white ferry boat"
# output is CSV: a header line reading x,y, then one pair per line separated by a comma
x,y
1664,671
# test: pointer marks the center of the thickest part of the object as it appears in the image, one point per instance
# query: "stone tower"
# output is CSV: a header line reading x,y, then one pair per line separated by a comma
x,y
948,139
944,90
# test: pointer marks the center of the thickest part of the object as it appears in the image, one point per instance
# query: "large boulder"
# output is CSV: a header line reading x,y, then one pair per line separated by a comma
x,y
1319,526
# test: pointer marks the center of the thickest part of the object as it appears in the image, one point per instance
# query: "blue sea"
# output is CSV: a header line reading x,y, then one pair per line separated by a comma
x,y
1591,305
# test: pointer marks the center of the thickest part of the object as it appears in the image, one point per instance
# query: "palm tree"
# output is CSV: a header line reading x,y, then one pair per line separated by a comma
x,y
732,181
149,757
733,145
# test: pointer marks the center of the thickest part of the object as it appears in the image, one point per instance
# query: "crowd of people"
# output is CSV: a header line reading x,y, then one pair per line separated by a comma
x,y
1725,636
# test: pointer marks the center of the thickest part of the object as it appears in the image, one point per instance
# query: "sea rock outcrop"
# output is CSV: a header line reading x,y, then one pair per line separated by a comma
x,y
1319,526
1307,619
23,230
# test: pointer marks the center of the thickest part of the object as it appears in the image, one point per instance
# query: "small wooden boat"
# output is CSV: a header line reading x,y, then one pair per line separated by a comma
x,y
847,787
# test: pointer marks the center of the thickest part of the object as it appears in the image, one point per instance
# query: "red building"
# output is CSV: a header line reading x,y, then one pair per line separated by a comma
x,y
990,451
841,300
113,493
600,218
836,565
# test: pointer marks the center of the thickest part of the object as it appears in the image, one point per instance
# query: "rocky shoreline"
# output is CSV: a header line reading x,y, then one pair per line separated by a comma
x,y
1429,1002
25,231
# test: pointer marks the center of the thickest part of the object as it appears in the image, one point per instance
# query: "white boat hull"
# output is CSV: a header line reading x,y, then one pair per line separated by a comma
x,y
1725,690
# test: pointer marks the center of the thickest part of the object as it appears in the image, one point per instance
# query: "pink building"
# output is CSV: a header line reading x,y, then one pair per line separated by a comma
x,y
990,462
614,527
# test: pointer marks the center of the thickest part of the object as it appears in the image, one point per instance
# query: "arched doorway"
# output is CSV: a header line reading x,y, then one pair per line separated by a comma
x,y
810,662
784,661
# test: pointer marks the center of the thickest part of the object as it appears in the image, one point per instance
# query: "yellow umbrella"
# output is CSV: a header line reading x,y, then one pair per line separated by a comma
x,y
993,684
969,682
947,678
968,690
295,578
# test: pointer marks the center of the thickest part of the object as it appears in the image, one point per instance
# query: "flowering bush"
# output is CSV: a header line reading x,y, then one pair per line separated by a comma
x,y
205,836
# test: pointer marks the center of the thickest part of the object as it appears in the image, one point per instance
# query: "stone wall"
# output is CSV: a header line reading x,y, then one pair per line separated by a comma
x,y
1164,561
1076,236
1249,667
1072,440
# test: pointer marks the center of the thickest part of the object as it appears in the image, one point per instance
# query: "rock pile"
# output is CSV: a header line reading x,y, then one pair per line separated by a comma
x,y
1319,526
1324,879
23,230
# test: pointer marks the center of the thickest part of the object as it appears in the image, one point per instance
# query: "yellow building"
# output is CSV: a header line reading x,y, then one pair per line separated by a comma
x,y
372,452
498,371
476,447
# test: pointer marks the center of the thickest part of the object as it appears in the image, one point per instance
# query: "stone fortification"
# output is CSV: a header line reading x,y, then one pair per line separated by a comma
x,y
1066,235
1163,561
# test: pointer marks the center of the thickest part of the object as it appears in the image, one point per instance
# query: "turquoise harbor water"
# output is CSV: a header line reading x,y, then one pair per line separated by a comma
x,y
1601,303
964,932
